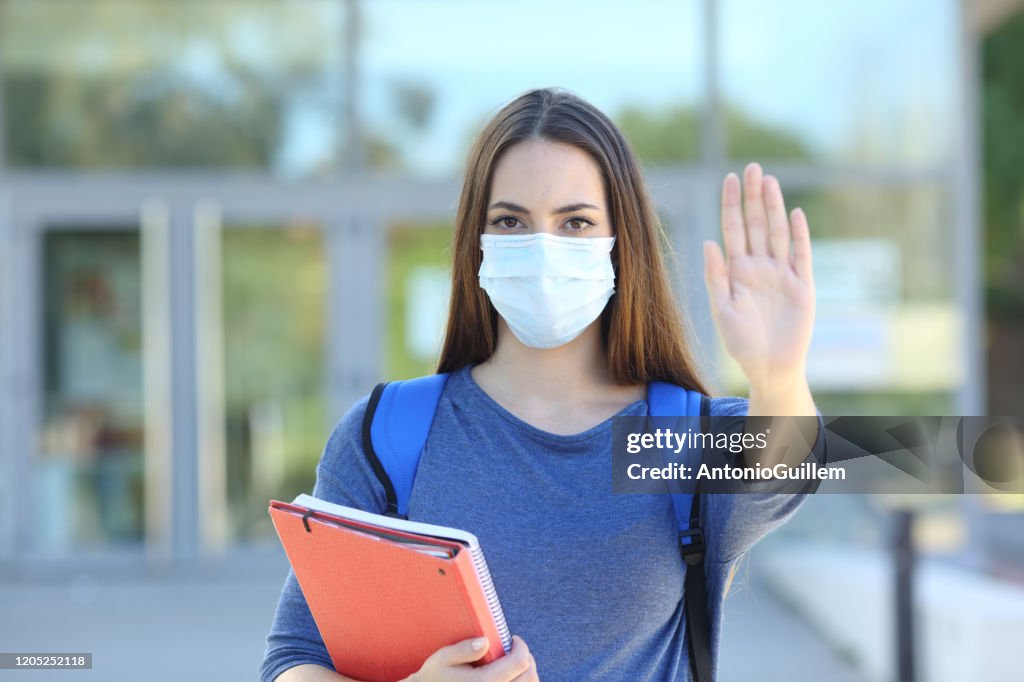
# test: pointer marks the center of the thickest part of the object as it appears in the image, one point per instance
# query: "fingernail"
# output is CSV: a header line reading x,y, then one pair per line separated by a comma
x,y
479,643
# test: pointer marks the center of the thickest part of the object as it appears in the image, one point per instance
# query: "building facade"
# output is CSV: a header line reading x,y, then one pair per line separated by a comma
x,y
190,299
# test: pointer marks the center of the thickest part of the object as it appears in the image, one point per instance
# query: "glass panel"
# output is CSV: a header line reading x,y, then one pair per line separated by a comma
x,y
417,288
430,85
862,82
887,327
274,293
914,220
128,83
89,471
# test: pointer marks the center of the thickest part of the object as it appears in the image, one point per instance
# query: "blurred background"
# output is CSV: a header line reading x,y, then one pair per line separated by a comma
x,y
223,222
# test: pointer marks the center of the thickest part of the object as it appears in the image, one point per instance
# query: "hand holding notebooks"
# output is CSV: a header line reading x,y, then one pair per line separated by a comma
x,y
386,593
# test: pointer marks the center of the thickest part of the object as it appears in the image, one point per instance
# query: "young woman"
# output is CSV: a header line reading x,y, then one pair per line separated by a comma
x,y
519,450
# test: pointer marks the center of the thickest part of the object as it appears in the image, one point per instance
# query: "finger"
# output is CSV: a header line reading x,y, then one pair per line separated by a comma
x,y
716,275
801,244
753,210
778,225
466,651
510,666
733,234
530,674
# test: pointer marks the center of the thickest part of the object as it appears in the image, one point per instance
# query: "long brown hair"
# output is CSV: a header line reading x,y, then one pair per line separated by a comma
x,y
642,325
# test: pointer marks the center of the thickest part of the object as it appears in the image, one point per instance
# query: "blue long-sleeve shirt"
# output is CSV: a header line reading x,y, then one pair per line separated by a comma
x,y
591,580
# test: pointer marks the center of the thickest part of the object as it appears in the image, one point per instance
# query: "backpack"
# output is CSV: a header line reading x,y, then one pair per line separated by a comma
x,y
395,428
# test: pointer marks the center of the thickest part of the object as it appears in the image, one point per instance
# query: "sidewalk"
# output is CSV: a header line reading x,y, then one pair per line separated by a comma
x,y
157,630
764,641
211,628
968,625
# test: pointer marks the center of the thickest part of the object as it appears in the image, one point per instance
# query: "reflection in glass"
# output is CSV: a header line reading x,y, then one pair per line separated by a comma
x,y
274,297
115,84
417,287
861,82
424,99
89,471
914,220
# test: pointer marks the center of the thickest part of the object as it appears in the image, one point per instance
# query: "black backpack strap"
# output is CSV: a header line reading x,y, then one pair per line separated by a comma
x,y
698,619
371,454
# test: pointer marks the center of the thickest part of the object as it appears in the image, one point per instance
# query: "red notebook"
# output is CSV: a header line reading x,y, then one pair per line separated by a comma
x,y
386,593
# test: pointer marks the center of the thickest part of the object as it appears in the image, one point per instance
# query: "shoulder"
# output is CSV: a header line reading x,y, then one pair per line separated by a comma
x,y
729,406
344,474
347,432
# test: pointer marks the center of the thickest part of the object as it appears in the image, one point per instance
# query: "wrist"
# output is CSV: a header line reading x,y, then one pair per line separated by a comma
x,y
775,384
782,396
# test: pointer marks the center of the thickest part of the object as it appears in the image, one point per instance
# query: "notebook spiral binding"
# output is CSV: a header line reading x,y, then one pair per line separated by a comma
x,y
480,563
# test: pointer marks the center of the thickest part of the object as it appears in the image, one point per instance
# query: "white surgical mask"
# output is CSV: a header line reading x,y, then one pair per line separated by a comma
x,y
548,288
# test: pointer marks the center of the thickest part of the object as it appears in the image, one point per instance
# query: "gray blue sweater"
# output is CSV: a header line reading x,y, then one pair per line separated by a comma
x,y
591,580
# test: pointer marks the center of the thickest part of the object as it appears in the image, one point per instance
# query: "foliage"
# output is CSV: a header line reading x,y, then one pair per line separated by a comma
x,y
274,301
1003,130
672,136
275,288
409,246
147,83
150,121
1003,149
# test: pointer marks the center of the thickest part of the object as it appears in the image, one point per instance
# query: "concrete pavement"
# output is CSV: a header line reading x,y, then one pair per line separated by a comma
x,y
213,628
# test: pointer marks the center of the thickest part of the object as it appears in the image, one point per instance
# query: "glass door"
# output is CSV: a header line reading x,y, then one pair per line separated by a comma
x,y
88,478
92,424
261,321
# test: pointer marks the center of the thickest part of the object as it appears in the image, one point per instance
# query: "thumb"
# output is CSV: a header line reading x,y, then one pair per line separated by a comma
x,y
466,651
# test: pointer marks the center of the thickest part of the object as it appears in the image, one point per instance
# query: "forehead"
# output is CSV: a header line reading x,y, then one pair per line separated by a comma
x,y
545,173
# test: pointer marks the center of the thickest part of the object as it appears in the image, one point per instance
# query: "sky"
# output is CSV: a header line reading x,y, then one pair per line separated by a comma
x,y
825,69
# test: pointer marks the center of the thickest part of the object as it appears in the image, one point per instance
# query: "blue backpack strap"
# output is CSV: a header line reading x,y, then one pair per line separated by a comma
x,y
669,400
395,428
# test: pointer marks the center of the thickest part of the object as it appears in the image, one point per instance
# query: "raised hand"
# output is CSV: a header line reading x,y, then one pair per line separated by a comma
x,y
762,288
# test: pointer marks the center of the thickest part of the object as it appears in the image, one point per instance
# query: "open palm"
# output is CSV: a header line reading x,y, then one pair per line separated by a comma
x,y
762,288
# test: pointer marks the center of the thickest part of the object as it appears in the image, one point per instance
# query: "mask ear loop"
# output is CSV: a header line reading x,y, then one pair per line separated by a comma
x,y
613,300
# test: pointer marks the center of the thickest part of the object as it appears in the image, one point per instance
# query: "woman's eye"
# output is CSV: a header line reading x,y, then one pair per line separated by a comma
x,y
578,224
506,222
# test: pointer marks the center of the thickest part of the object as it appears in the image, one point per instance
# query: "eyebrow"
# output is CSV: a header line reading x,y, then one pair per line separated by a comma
x,y
568,208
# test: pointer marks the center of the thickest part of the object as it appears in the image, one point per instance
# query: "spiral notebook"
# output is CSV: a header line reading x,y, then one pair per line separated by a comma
x,y
385,592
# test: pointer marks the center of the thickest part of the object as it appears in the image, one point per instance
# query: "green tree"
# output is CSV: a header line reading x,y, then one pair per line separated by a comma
x,y
152,83
1003,120
1003,132
672,135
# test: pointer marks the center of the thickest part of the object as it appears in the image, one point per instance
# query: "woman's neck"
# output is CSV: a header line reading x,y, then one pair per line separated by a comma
x,y
576,366
575,374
